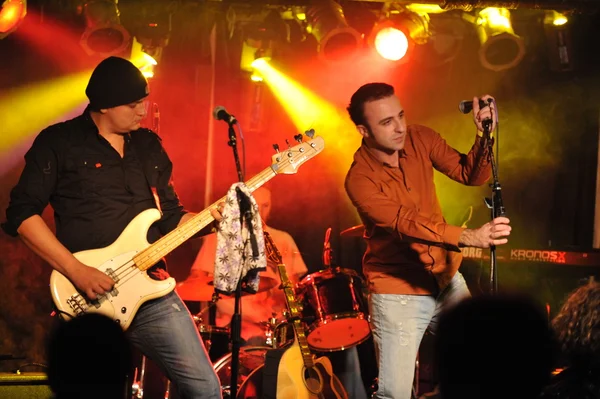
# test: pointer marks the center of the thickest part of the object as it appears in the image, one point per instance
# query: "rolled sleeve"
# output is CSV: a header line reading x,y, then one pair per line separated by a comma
x,y
472,169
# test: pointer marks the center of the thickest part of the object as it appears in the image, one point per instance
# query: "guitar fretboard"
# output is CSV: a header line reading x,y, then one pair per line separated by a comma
x,y
292,304
165,245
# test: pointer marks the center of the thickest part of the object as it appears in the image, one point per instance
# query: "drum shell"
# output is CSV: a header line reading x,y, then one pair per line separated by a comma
x,y
334,308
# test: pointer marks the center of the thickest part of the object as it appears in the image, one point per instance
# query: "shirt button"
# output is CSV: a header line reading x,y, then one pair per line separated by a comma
x,y
409,189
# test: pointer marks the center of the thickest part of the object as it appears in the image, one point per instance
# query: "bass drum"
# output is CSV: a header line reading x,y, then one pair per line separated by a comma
x,y
251,358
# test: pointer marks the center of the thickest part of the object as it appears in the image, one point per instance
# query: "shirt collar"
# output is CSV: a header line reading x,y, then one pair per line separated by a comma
x,y
365,154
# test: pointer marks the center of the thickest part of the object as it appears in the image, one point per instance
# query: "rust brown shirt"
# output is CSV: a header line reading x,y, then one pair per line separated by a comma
x,y
410,246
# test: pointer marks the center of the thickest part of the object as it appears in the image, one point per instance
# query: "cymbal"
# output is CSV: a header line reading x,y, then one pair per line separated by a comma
x,y
195,289
355,231
202,289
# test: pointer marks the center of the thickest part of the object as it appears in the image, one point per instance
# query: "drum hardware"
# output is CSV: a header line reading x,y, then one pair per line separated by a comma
x,y
251,358
334,308
201,288
137,388
355,231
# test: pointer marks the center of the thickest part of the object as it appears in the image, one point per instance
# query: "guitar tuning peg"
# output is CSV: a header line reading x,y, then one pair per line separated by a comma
x,y
310,133
276,148
298,138
288,143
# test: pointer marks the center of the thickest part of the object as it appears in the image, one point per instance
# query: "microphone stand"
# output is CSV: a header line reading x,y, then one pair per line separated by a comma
x,y
236,318
233,144
494,203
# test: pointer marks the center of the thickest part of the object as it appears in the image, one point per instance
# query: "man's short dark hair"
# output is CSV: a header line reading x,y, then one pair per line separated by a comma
x,y
366,93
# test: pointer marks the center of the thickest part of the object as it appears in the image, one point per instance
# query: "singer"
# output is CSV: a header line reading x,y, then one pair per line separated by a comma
x,y
413,254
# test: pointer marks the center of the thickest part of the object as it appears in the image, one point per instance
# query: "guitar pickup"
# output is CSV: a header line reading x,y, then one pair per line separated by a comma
x,y
111,273
96,303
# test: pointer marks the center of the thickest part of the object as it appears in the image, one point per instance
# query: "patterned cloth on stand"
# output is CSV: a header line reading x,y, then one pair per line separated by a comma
x,y
234,259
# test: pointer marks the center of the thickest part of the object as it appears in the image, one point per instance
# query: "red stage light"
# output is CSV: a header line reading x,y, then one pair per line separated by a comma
x,y
11,14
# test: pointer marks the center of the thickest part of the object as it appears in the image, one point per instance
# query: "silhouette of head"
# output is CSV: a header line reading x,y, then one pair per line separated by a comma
x,y
577,326
88,356
494,347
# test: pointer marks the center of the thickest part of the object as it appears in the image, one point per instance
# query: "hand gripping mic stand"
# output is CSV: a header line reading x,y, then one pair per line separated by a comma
x,y
495,202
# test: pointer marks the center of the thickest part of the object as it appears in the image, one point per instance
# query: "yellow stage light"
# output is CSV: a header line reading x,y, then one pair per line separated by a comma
x,y
559,42
500,47
308,110
25,111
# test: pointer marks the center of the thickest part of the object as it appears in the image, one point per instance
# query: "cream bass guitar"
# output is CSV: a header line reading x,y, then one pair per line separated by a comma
x,y
128,258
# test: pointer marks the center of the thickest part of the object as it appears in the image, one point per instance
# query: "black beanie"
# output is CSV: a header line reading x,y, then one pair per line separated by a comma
x,y
114,82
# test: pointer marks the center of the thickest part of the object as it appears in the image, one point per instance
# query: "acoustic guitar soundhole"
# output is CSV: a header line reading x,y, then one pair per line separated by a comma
x,y
313,380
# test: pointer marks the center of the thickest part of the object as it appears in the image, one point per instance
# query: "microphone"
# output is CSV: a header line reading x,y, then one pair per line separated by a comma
x,y
466,106
221,114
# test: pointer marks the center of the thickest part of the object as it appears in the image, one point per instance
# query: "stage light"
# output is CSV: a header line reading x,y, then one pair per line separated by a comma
x,y
153,30
104,35
391,43
11,15
337,41
144,61
555,18
394,37
558,42
500,47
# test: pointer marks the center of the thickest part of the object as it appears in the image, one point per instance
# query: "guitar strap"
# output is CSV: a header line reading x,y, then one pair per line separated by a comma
x,y
270,370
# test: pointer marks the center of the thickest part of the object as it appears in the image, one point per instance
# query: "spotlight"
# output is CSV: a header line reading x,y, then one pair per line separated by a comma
x,y
254,50
104,35
12,13
395,37
327,23
153,31
558,42
555,18
500,48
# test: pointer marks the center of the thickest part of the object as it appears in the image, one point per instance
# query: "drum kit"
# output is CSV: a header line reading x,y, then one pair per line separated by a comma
x,y
335,317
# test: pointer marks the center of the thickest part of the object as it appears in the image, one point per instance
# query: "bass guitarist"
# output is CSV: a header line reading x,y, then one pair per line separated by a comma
x,y
98,171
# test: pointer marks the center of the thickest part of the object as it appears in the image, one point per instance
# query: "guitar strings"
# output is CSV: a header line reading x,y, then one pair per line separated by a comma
x,y
132,268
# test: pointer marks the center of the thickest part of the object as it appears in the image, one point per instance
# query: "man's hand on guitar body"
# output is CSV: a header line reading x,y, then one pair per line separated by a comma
x,y
92,282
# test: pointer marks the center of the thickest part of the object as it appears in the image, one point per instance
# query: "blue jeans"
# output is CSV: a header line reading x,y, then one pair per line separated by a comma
x,y
398,323
164,331
346,366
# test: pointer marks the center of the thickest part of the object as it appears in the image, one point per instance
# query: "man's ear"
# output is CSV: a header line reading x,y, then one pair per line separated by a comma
x,y
362,129
103,110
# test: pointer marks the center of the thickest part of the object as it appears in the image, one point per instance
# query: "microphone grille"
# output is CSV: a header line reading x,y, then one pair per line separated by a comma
x,y
216,111
465,106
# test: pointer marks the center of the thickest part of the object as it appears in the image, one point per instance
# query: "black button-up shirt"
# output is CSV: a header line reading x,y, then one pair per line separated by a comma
x,y
94,192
